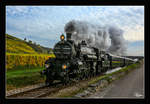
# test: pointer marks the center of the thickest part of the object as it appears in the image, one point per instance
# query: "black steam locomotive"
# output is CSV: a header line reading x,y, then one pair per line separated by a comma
x,y
77,61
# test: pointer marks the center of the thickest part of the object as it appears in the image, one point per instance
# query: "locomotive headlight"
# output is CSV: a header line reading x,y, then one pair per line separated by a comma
x,y
62,37
64,66
47,65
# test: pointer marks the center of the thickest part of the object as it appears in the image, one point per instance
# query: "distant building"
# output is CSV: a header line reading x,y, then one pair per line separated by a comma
x,y
25,39
30,41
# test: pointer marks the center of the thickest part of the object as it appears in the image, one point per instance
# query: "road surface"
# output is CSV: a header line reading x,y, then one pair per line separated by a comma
x,y
129,86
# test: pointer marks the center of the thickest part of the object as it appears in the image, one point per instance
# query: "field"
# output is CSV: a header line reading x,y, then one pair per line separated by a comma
x,y
24,61
23,69
16,45
23,77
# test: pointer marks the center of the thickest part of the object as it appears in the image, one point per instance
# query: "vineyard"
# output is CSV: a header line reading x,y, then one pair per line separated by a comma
x,y
23,54
26,60
23,69
15,45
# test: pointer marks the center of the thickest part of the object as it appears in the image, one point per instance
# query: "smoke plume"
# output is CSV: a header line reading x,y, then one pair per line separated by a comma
x,y
105,38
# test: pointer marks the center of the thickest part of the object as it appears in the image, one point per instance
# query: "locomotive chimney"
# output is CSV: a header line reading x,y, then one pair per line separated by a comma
x,y
68,35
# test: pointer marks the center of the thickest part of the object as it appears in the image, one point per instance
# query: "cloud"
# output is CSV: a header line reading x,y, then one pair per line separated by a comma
x,y
17,10
130,19
47,22
135,33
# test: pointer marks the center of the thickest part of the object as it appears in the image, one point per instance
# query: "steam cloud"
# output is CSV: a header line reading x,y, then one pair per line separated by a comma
x,y
105,38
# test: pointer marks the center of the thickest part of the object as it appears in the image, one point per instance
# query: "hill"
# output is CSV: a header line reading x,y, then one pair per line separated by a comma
x,y
16,45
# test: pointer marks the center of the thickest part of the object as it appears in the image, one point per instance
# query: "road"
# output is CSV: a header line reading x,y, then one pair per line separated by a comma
x,y
129,86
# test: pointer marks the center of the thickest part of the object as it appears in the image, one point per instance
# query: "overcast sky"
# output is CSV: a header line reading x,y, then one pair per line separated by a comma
x,y
45,24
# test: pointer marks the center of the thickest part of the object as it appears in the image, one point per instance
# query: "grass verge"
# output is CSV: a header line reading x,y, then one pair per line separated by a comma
x,y
18,78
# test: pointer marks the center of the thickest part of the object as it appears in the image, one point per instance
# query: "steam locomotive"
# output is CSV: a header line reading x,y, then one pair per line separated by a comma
x,y
77,61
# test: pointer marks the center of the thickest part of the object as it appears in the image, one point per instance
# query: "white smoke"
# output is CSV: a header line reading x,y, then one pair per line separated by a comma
x,y
118,43
105,38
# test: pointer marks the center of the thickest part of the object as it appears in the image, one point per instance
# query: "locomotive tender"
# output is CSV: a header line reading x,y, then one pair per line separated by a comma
x,y
75,61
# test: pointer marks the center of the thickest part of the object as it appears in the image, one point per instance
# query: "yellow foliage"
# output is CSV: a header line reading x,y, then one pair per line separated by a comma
x,y
18,47
14,60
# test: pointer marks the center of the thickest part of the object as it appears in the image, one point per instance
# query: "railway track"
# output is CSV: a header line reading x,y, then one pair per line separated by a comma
x,y
37,92
40,90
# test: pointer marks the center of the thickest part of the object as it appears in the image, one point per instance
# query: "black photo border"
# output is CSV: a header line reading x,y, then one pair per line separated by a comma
x,y
4,3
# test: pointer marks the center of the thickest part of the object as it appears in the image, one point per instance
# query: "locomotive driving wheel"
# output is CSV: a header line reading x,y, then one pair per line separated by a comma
x,y
66,80
48,82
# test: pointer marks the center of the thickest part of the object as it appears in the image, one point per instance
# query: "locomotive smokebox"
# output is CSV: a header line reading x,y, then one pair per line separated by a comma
x,y
68,35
